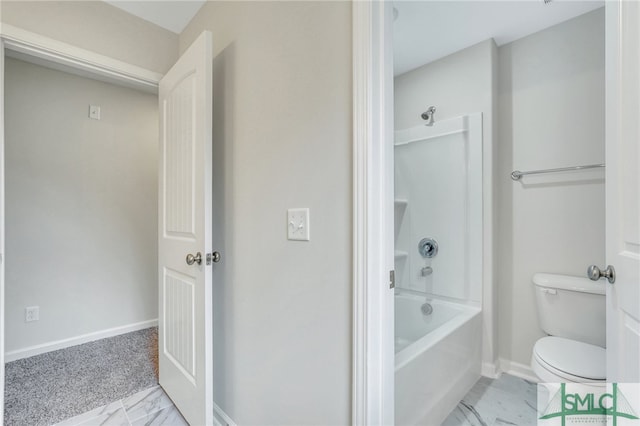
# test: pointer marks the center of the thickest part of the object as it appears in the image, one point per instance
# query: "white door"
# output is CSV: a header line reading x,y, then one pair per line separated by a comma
x,y
623,190
185,317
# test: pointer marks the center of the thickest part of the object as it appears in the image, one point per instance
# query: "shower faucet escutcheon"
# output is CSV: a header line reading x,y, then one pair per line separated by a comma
x,y
428,247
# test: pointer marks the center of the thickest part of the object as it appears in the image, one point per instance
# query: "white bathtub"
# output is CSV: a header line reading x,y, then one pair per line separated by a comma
x,y
437,358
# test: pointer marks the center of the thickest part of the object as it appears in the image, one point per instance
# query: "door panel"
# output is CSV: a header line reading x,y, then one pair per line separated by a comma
x,y
179,318
185,311
623,190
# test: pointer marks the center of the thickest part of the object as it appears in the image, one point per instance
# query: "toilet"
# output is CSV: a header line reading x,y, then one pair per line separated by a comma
x,y
571,310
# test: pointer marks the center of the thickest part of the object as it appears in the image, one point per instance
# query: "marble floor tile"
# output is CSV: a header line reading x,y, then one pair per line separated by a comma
x,y
149,407
117,418
145,403
463,415
504,401
100,412
169,416
500,421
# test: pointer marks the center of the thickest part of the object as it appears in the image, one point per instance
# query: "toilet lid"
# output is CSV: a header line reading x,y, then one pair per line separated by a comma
x,y
572,357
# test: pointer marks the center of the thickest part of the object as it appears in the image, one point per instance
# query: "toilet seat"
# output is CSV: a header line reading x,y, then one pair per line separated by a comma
x,y
568,360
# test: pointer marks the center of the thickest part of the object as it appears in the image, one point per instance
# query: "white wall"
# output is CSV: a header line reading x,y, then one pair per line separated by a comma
x,y
551,115
282,139
439,175
81,205
96,26
462,83
427,176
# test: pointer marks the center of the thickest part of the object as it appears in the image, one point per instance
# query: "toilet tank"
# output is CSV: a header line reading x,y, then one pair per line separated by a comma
x,y
571,307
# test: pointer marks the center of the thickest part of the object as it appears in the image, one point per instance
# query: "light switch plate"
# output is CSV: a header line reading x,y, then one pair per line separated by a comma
x,y
94,112
298,224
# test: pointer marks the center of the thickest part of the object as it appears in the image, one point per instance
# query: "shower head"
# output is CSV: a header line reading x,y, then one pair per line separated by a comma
x,y
428,115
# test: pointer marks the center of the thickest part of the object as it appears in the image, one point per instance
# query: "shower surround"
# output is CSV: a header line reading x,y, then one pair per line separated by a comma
x,y
438,190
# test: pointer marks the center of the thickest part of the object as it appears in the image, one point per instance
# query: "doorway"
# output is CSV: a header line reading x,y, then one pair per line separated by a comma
x,y
81,219
372,51
185,135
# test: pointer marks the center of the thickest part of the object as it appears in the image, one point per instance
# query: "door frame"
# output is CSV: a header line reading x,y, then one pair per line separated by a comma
x,y
612,60
64,57
373,366
373,308
75,60
2,230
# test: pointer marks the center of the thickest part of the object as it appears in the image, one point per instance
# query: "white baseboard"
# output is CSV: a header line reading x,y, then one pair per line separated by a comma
x,y
77,340
221,417
519,370
490,370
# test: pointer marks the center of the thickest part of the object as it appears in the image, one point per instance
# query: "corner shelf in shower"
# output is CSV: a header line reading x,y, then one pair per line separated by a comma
x,y
400,205
399,254
399,209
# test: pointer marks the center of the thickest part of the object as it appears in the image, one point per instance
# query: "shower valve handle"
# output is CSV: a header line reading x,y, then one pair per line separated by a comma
x,y
428,247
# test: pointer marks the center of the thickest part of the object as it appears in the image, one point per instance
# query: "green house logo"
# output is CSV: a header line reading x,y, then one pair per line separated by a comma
x,y
607,405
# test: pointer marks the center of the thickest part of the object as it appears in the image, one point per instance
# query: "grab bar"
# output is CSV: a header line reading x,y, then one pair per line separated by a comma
x,y
517,174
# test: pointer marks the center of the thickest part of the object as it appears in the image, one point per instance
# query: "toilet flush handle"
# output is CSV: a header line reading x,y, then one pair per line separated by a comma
x,y
595,273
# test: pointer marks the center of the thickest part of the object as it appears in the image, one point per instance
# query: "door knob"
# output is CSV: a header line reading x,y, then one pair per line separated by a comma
x,y
191,259
595,273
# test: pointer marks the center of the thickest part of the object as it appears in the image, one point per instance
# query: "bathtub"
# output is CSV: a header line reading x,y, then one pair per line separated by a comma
x,y
437,358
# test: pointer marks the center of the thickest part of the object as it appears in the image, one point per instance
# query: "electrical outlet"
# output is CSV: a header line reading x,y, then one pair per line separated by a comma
x,y
31,313
298,224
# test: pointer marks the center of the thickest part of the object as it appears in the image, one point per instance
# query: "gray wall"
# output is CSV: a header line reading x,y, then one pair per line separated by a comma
x,y
551,115
282,139
96,26
81,205
458,84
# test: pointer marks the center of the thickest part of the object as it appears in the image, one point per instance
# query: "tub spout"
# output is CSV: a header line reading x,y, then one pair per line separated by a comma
x,y
427,270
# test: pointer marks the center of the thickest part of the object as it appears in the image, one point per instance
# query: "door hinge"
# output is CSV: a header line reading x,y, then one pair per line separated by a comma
x,y
392,279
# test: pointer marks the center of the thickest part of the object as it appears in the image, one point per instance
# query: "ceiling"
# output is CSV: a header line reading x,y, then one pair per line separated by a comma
x,y
173,15
425,31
